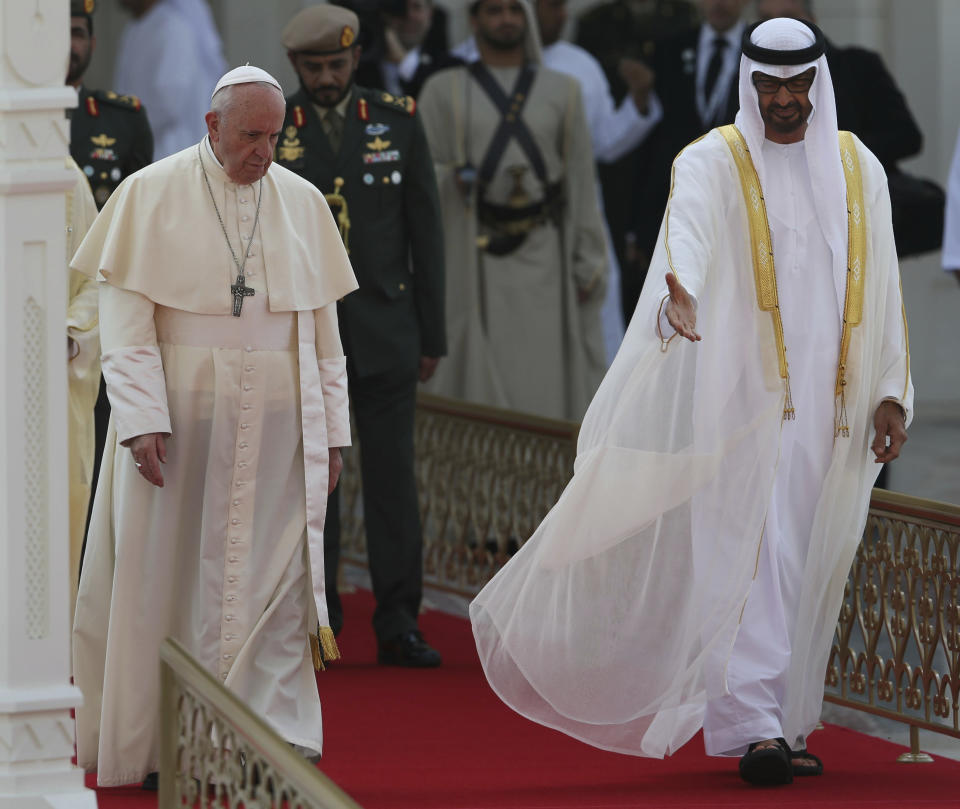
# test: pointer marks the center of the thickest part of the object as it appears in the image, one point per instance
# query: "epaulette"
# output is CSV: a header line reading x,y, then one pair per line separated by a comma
x,y
400,103
127,102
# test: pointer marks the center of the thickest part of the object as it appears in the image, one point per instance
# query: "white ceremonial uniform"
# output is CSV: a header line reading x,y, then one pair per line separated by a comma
x,y
162,60
219,557
83,369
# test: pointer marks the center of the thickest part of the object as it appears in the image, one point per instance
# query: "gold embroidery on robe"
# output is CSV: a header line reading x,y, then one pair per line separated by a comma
x,y
763,266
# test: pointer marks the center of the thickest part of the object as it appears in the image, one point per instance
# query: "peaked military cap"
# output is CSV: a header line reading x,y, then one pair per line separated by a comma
x,y
81,8
321,30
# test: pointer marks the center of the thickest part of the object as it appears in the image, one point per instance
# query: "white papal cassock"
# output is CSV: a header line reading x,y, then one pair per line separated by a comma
x,y
221,557
692,571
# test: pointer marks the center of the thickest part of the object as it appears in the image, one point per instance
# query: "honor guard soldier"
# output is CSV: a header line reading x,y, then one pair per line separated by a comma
x,y
367,151
110,137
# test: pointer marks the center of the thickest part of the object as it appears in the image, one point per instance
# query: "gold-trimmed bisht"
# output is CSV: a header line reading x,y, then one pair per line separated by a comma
x,y
856,267
323,647
765,275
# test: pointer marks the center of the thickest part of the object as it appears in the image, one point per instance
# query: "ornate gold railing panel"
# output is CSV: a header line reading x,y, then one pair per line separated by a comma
x,y
487,478
210,738
897,647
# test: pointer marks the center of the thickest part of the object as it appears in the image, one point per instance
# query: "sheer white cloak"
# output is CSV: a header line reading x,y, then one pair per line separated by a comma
x,y
607,622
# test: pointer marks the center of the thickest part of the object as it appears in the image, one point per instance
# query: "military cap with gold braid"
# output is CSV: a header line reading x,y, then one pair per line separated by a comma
x,y
321,30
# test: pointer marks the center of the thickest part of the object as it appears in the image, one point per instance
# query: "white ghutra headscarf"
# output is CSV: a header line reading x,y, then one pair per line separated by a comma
x,y
784,35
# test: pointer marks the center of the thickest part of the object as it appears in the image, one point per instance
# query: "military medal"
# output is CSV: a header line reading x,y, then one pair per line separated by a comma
x,y
239,290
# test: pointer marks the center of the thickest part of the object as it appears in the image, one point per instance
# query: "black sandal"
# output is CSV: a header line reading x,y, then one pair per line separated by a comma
x,y
805,769
767,766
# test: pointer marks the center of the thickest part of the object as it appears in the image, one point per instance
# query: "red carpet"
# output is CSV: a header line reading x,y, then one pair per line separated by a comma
x,y
440,739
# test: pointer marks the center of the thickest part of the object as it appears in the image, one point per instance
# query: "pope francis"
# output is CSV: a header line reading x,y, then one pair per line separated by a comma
x,y
219,275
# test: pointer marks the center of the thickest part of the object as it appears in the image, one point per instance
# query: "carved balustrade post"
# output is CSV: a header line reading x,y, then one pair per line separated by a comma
x,y
36,730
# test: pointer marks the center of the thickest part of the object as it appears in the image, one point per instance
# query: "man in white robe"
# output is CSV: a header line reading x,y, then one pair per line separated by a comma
x,y
219,275
951,220
170,56
724,468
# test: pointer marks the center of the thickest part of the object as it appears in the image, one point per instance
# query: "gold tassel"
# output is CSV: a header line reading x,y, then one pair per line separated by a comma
x,y
843,429
789,414
323,647
315,652
328,643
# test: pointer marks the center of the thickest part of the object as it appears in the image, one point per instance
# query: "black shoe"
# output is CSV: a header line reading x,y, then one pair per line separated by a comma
x,y
152,782
410,650
805,763
767,766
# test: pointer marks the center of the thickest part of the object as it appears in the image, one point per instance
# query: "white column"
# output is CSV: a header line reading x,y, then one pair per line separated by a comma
x,y
36,730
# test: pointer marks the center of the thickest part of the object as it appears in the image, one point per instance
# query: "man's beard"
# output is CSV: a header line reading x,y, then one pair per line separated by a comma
x,y
323,101
77,68
785,126
503,42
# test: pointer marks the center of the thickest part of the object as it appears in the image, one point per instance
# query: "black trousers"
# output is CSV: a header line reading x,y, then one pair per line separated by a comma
x,y
383,408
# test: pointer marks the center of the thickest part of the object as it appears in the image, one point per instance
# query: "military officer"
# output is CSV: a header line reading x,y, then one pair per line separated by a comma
x,y
109,134
367,151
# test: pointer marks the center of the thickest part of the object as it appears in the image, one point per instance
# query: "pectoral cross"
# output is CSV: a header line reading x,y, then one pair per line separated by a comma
x,y
240,291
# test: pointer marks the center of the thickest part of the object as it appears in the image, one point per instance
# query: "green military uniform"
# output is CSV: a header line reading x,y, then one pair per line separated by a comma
x,y
384,172
110,139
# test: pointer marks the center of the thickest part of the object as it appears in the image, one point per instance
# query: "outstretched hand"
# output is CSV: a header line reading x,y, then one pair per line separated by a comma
x,y
680,310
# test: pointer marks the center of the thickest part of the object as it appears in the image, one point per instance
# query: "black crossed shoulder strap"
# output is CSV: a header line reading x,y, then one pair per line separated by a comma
x,y
511,124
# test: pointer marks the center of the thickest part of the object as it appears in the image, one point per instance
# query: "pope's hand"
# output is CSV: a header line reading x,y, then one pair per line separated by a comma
x,y
888,423
680,310
336,467
149,451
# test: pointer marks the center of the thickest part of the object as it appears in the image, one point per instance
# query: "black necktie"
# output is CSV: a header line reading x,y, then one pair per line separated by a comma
x,y
713,68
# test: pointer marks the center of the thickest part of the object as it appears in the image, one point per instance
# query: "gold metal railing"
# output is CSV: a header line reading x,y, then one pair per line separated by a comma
x,y
487,478
215,752
896,653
